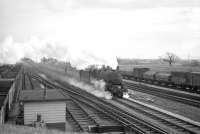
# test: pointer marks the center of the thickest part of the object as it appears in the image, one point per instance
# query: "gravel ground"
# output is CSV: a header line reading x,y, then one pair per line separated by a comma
x,y
187,111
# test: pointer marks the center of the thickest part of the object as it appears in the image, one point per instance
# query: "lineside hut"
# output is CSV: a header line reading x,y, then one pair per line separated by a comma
x,y
47,106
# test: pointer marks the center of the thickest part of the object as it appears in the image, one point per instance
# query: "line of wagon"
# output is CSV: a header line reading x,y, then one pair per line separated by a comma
x,y
182,80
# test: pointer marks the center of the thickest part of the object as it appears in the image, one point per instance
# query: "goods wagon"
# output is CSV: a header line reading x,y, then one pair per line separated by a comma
x,y
188,81
149,75
163,77
126,74
180,78
85,76
138,72
73,72
195,80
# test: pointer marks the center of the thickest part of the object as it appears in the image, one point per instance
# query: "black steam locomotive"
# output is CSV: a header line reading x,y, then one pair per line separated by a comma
x,y
113,79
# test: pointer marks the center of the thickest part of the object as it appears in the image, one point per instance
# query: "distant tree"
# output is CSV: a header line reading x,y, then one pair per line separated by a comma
x,y
49,60
103,67
170,58
92,67
106,68
43,60
27,59
96,68
109,68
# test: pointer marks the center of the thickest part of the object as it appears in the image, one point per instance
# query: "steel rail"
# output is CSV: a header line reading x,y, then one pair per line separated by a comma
x,y
127,119
168,120
167,95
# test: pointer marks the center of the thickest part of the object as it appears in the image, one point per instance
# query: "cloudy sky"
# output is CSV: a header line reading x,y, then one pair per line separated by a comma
x,y
98,31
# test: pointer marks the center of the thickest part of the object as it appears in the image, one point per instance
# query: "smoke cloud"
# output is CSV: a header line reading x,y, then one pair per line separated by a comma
x,y
36,48
97,87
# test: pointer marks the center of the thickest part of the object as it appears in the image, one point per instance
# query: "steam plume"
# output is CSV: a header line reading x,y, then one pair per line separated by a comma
x,y
97,89
35,49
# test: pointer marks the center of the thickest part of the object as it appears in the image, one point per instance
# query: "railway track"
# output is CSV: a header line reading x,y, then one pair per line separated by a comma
x,y
99,117
81,115
78,116
23,85
128,120
29,83
165,119
180,97
26,81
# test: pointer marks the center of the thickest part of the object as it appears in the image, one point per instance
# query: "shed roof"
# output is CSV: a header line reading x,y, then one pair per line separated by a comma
x,y
39,95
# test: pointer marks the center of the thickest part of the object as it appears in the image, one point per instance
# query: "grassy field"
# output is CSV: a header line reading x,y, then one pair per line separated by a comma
x,y
12,129
161,67
154,65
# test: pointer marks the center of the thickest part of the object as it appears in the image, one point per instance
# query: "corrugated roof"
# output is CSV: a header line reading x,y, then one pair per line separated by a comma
x,y
39,95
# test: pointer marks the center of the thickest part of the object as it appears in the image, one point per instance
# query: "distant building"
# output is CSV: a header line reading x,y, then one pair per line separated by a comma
x,y
47,105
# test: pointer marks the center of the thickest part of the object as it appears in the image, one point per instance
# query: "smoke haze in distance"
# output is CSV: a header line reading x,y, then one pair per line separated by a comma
x,y
36,48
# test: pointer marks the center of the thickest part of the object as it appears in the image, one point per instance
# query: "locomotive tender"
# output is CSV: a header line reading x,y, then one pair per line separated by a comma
x,y
184,80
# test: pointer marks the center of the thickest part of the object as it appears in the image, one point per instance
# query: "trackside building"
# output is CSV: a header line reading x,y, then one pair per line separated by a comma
x,y
48,104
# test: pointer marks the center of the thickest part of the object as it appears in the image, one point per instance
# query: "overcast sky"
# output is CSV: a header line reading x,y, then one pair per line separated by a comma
x,y
98,30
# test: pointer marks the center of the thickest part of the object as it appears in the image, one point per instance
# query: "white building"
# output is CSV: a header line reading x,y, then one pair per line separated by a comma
x,y
50,104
